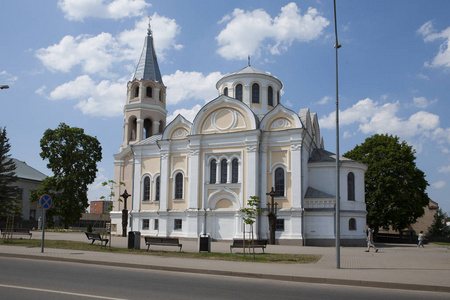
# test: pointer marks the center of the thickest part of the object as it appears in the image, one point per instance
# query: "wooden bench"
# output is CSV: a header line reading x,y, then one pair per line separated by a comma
x,y
162,241
15,231
96,237
239,243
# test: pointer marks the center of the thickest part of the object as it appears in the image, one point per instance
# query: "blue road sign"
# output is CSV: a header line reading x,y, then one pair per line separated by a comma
x,y
45,202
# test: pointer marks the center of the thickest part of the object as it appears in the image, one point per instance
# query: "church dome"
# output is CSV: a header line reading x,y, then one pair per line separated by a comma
x,y
256,88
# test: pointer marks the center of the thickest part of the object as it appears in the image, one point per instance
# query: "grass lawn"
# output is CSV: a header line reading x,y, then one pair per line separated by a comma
x,y
259,257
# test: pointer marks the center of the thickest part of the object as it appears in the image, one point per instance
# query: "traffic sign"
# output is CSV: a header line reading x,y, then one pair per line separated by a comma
x,y
45,202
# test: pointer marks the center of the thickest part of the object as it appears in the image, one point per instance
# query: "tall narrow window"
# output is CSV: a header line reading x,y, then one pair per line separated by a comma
x,y
146,189
147,128
279,181
161,96
157,188
352,224
223,171
149,92
213,171
239,92
179,186
225,91
270,96
278,98
351,186
255,93
234,170
136,92
132,129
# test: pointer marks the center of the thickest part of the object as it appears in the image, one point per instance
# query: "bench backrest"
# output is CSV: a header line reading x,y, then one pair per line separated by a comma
x,y
23,230
238,242
161,240
93,235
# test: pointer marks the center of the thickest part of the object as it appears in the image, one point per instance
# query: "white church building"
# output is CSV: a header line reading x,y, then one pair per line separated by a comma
x,y
187,179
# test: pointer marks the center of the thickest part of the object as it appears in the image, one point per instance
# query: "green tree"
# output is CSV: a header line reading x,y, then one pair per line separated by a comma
x,y
8,191
250,212
73,157
395,187
439,227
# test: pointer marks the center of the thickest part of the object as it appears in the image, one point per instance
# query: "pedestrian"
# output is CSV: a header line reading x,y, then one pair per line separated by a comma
x,y
369,239
421,238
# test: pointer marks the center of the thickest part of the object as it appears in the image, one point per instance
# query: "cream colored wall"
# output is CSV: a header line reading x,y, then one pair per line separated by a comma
x,y
223,118
277,156
178,161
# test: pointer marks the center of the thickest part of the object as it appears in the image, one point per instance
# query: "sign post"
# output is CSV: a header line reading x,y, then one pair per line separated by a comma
x,y
45,202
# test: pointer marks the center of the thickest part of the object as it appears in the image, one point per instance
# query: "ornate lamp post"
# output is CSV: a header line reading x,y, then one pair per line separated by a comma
x,y
125,195
272,215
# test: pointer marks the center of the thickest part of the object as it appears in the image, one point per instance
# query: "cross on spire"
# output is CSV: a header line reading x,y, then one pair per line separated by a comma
x,y
149,30
249,60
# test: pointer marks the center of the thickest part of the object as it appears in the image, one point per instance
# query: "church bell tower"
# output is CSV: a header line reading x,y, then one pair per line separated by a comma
x,y
145,111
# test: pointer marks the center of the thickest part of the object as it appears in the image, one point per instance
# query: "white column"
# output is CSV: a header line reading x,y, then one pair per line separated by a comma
x,y
252,179
296,175
139,129
194,175
156,94
164,183
229,171
155,128
136,196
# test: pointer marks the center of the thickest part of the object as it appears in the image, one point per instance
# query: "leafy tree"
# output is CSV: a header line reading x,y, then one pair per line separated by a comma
x,y
73,157
439,227
250,217
395,187
8,191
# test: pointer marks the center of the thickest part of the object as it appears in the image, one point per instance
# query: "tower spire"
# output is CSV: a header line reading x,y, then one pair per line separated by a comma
x,y
149,30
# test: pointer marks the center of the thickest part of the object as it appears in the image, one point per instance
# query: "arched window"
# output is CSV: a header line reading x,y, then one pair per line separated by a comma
x,y
146,189
179,186
278,97
213,171
149,92
351,186
239,92
270,96
147,128
234,170
279,181
157,188
136,92
255,93
132,129
352,224
223,171
225,91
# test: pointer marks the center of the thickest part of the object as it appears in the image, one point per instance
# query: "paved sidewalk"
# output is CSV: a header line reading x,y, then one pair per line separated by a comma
x,y
394,266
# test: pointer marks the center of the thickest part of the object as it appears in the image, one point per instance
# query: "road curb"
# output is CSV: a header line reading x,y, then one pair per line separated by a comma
x,y
288,278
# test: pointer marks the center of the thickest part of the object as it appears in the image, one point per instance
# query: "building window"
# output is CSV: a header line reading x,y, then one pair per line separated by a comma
x,y
146,189
352,224
147,128
157,188
156,225
255,93
213,171
178,225
149,92
223,171
239,92
234,170
161,96
279,181
225,91
278,97
145,224
20,194
279,226
270,96
136,92
179,186
351,186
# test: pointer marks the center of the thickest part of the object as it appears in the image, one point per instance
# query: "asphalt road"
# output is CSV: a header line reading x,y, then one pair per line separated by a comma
x,y
37,279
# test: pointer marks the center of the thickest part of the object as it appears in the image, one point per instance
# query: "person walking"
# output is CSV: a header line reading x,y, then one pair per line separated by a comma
x,y
369,239
421,237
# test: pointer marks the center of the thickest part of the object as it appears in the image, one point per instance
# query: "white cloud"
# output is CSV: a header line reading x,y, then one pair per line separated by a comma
x,y
7,78
324,100
77,10
164,32
99,54
442,59
96,189
105,98
41,90
371,117
444,169
422,102
191,85
439,184
250,32
188,114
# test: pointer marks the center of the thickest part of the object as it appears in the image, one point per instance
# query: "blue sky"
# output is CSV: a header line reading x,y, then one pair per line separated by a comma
x,y
69,61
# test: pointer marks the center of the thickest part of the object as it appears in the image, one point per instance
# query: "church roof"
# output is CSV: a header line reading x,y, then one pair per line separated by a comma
x,y
321,155
24,171
148,67
151,140
313,193
249,70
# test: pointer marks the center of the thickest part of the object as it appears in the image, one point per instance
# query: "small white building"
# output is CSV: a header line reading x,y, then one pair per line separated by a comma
x,y
187,178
